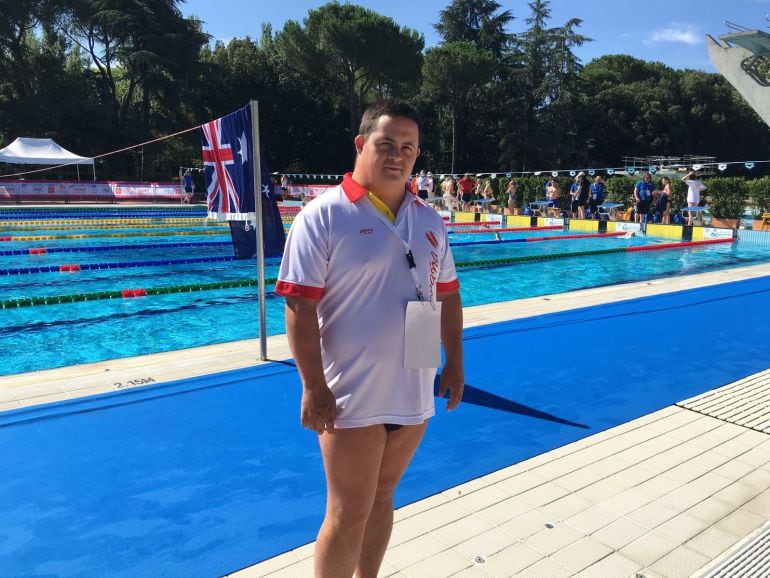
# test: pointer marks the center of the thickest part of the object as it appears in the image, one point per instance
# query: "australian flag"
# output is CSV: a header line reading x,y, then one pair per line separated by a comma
x,y
228,160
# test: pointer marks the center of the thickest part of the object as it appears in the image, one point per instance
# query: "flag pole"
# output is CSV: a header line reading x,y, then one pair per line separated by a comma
x,y
260,243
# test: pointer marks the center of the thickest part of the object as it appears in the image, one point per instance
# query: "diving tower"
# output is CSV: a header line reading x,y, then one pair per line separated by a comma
x,y
742,57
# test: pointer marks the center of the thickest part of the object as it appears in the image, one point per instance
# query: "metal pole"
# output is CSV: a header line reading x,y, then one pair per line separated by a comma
x,y
260,244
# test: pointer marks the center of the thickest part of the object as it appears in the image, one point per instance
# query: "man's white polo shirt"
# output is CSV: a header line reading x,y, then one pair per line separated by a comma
x,y
340,251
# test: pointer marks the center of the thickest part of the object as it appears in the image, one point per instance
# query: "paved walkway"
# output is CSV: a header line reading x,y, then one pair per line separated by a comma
x,y
663,495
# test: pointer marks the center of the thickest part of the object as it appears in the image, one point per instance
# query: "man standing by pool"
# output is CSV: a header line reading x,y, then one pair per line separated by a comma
x,y
370,288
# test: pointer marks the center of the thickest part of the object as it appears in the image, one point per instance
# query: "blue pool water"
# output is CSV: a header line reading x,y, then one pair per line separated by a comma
x,y
81,332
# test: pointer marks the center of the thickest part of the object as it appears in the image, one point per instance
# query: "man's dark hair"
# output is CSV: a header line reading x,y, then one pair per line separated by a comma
x,y
388,107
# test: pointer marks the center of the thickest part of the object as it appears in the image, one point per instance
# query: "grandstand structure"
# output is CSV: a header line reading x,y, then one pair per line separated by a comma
x,y
672,166
742,56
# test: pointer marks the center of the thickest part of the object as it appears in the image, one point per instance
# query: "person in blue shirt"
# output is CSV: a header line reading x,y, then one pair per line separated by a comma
x,y
643,197
189,186
597,196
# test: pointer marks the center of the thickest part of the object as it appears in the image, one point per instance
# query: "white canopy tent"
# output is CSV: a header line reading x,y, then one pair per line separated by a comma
x,y
42,151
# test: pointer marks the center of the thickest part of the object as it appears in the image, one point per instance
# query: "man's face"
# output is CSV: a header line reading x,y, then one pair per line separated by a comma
x,y
387,155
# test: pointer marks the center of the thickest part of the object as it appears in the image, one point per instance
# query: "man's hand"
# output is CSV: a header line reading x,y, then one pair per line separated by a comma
x,y
452,379
318,410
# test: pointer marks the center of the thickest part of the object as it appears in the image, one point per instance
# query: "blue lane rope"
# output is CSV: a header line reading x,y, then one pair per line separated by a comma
x,y
115,265
90,249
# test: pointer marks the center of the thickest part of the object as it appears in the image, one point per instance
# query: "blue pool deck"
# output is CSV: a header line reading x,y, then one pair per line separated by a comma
x,y
668,494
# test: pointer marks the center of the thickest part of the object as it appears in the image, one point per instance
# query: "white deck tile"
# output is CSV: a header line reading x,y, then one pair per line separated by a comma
x,y
648,549
566,507
590,520
527,524
545,567
759,505
511,560
619,533
711,510
613,565
413,551
582,554
439,565
486,544
740,522
712,542
439,516
681,562
461,530
505,511
626,502
542,495
681,528
550,540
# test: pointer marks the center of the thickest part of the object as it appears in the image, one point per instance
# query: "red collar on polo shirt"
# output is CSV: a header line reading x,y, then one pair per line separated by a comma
x,y
354,190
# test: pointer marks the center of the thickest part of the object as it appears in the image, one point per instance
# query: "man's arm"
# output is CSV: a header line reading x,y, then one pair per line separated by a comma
x,y
452,374
688,175
318,404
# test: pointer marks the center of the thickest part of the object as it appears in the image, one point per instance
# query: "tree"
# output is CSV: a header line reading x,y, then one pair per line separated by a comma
x,y
139,48
353,51
450,74
476,21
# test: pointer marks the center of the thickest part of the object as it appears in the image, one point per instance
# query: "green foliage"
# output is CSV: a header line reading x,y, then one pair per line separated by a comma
x,y
354,52
758,191
99,75
728,196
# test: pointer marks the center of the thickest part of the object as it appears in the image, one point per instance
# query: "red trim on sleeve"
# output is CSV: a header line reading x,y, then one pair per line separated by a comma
x,y
285,289
450,286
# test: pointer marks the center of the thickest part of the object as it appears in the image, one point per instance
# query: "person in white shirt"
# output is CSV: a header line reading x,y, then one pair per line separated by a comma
x,y
356,259
694,188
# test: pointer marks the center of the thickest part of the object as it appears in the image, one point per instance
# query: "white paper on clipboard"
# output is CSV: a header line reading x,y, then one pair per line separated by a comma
x,y
422,346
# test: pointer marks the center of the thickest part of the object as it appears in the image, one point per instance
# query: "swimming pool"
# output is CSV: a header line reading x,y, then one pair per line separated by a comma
x,y
191,256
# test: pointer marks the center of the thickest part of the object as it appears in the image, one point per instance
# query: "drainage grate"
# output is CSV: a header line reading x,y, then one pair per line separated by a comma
x,y
749,559
745,402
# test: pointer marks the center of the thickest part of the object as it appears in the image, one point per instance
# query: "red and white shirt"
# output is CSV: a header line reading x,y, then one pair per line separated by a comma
x,y
341,251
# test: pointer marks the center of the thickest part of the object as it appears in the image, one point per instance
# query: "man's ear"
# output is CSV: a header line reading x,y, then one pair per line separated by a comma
x,y
359,142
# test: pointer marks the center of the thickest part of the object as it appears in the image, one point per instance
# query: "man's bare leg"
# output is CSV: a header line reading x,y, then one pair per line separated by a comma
x,y
399,451
352,459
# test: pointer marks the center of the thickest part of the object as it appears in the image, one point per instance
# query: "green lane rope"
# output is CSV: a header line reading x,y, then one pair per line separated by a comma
x,y
99,295
530,258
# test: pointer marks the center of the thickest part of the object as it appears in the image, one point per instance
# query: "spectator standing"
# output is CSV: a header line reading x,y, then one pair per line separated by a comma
x,y
597,196
423,183
643,197
694,188
285,187
465,186
189,186
664,201
579,192
552,195
510,191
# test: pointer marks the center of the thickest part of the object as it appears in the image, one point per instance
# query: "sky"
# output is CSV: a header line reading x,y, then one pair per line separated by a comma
x,y
668,31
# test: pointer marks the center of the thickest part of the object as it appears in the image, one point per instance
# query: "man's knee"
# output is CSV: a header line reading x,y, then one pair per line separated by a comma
x,y
348,515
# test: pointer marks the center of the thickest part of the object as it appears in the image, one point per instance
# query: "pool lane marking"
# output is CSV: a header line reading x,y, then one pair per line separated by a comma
x,y
95,235
547,257
534,239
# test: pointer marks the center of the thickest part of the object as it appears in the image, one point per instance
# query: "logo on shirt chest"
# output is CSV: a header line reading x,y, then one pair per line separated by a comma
x,y
367,231
430,235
